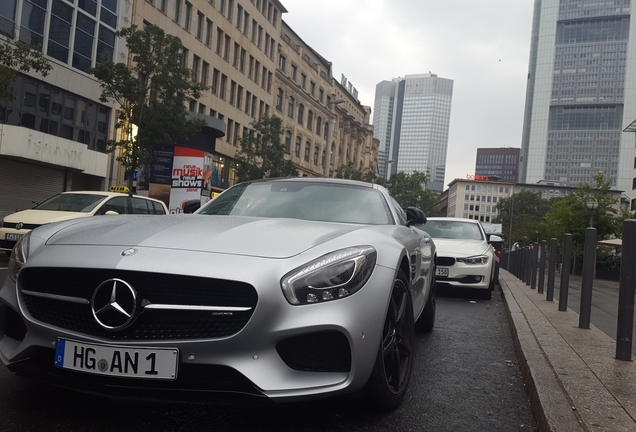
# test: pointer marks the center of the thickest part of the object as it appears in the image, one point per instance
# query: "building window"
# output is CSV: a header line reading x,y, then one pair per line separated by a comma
x,y
199,33
316,154
294,71
297,150
188,16
307,150
279,99
318,125
290,107
205,70
301,113
312,88
282,62
303,80
208,32
310,120
288,137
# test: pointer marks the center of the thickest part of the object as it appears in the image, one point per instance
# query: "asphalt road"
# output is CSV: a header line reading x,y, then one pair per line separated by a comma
x,y
466,378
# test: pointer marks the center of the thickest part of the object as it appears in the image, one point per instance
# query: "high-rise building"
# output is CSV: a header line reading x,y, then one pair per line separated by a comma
x,y
581,93
502,163
411,120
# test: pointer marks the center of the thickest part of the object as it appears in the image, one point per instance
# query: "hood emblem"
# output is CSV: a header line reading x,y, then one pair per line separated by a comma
x,y
19,225
113,304
129,252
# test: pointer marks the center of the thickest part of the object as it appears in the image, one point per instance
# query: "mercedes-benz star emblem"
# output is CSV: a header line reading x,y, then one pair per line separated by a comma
x,y
114,304
19,225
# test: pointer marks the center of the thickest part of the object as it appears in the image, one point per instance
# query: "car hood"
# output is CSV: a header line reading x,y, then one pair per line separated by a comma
x,y
460,248
39,217
239,235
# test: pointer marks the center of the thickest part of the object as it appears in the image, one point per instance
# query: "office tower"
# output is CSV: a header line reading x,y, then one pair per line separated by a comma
x,y
411,120
498,163
581,93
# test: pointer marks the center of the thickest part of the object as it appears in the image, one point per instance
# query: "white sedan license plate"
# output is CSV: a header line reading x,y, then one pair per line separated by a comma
x,y
441,271
15,237
121,361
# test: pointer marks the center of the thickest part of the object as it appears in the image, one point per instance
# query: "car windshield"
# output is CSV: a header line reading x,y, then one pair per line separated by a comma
x,y
453,230
318,201
71,202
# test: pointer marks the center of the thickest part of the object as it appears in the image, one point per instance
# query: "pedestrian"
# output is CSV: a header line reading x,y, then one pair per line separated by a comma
x,y
515,246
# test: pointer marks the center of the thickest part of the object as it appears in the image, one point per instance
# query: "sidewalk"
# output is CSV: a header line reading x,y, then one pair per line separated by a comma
x,y
572,377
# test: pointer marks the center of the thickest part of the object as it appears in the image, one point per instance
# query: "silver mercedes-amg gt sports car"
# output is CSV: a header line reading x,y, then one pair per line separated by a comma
x,y
277,290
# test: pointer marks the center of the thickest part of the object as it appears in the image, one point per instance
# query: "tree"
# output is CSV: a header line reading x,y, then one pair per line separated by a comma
x,y
409,191
524,210
152,92
19,57
348,171
262,153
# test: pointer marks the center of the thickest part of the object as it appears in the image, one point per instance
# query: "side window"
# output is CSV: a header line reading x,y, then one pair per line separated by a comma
x,y
140,206
400,212
117,204
158,208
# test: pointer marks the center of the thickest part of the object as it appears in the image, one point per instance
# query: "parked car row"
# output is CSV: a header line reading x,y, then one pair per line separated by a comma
x,y
276,290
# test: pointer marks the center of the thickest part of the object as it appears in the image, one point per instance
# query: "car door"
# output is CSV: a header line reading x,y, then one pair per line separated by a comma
x,y
418,245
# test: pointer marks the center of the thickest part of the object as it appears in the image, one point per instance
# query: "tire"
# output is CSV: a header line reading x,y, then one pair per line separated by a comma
x,y
426,321
485,294
393,364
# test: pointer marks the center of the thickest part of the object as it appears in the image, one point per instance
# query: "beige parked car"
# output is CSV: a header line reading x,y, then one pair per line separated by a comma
x,y
72,205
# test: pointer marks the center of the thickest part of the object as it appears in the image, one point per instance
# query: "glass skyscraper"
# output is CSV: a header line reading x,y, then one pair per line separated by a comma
x,y
581,93
412,119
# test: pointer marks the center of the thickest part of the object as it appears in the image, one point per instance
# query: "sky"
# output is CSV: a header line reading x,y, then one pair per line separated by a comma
x,y
483,46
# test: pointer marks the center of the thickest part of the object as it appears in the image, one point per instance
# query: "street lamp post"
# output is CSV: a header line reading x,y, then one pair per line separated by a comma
x,y
389,164
592,206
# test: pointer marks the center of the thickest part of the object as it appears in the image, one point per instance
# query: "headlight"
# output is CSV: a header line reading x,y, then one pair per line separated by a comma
x,y
335,275
482,259
19,256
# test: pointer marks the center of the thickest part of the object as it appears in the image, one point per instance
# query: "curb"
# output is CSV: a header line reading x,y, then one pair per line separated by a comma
x,y
552,407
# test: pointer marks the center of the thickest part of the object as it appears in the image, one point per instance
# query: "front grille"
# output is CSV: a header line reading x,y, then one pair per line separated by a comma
x,y
326,351
24,226
445,261
156,288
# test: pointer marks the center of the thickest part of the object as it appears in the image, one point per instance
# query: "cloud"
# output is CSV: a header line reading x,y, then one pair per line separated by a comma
x,y
482,46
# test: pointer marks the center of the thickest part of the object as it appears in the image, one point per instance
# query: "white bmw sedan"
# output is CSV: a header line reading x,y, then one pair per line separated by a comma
x,y
465,257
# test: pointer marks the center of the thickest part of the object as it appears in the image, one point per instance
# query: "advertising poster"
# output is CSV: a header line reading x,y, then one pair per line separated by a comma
x,y
187,177
154,180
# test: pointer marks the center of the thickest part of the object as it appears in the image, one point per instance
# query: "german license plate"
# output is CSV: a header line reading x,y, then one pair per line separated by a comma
x,y
15,237
441,271
121,361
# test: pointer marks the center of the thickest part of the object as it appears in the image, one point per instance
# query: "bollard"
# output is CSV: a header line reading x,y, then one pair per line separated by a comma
x,y
565,272
543,251
533,267
587,283
625,321
551,270
528,266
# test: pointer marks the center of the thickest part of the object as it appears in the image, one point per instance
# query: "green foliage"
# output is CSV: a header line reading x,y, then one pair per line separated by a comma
x,y
262,153
348,171
524,210
152,92
409,191
19,57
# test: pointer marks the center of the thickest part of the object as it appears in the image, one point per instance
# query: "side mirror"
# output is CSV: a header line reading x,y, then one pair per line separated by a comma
x,y
111,212
495,239
415,216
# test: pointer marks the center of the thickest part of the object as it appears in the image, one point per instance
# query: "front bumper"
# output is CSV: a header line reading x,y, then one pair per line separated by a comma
x,y
461,275
250,363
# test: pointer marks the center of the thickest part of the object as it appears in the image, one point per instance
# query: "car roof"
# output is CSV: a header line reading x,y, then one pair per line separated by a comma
x,y
109,194
315,180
